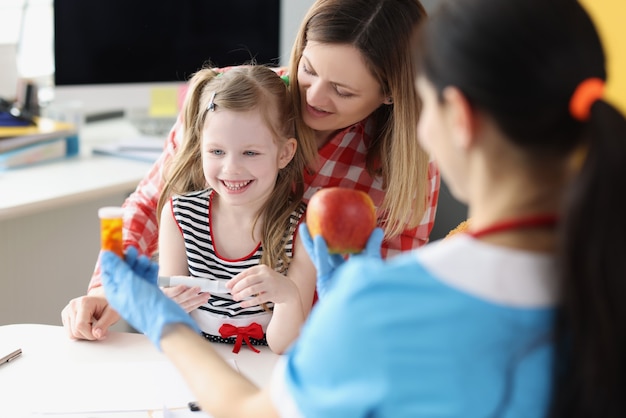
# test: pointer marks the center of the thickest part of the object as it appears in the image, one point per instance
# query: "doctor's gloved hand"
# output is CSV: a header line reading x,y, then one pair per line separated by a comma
x,y
131,289
326,263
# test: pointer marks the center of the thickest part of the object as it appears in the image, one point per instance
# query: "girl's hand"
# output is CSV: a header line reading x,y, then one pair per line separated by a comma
x,y
261,284
189,298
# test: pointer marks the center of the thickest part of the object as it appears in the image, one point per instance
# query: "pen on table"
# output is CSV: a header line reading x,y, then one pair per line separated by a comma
x,y
11,356
194,406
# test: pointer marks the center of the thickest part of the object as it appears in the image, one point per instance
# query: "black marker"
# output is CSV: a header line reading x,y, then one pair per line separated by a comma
x,y
194,406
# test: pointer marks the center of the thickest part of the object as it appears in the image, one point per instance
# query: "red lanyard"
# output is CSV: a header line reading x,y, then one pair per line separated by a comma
x,y
534,221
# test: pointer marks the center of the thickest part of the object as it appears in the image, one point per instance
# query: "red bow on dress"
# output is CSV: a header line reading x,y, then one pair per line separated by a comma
x,y
253,330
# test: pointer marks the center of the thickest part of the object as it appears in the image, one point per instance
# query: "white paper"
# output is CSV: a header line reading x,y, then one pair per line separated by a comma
x,y
142,148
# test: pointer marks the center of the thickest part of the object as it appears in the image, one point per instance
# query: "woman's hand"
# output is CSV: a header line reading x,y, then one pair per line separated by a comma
x,y
326,263
89,317
261,284
189,298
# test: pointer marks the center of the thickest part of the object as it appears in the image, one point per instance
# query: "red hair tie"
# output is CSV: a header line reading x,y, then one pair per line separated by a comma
x,y
587,92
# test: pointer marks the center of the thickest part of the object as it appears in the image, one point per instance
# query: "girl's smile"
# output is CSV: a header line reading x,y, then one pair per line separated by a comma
x,y
236,186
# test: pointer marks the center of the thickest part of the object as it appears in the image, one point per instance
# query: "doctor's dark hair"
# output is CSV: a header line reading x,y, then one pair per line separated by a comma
x,y
240,89
520,61
382,31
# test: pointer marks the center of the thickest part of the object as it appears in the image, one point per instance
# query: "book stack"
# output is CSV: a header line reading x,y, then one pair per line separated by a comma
x,y
43,141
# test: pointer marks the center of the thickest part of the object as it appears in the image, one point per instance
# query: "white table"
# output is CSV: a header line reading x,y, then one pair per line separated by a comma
x,y
54,370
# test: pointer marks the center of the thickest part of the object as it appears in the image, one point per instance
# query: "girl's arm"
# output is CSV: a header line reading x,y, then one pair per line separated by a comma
x,y
172,254
173,262
220,390
288,317
292,295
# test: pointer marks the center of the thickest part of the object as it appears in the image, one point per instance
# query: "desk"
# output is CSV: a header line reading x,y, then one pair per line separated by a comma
x,y
24,382
60,183
49,228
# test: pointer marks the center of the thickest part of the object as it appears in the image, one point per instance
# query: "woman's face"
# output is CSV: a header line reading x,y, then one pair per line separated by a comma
x,y
336,87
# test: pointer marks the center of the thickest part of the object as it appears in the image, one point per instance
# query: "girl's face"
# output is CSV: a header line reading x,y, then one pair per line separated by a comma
x,y
436,137
336,87
240,156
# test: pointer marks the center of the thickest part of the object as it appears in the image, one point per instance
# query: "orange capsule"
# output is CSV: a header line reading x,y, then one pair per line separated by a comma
x,y
111,223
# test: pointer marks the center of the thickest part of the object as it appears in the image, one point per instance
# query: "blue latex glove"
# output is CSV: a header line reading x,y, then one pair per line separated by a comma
x,y
326,263
131,289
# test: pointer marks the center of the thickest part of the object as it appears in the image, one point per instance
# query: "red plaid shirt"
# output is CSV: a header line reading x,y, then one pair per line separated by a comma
x,y
341,163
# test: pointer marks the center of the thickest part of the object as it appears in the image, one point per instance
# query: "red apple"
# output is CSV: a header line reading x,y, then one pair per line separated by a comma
x,y
345,218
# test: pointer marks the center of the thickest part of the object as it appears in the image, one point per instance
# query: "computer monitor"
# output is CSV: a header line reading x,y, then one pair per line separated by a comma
x,y
109,53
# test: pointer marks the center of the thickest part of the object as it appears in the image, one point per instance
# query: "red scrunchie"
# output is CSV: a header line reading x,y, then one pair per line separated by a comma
x,y
253,330
585,95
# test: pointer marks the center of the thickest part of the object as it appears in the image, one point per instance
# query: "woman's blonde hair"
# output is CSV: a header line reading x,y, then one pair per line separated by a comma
x,y
241,89
383,31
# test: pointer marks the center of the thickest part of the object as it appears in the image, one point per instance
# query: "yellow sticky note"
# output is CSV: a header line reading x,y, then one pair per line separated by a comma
x,y
609,17
163,101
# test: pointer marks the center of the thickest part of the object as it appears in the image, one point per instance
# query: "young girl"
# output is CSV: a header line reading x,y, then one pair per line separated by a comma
x,y
521,317
239,142
351,77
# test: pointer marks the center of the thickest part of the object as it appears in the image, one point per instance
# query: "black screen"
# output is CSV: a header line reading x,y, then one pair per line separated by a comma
x,y
136,41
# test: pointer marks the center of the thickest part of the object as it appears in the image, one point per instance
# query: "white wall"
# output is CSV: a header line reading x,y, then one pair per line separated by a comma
x,y
292,12
35,59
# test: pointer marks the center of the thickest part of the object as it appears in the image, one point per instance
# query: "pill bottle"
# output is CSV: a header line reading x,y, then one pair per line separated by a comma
x,y
111,222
